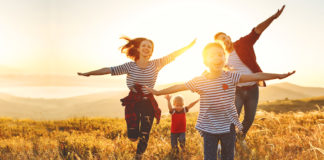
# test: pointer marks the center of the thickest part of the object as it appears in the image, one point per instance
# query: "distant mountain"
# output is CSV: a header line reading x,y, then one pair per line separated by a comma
x,y
100,104
299,105
107,104
17,80
288,90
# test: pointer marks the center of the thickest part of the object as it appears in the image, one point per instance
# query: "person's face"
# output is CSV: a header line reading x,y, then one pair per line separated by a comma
x,y
178,103
226,40
146,48
215,58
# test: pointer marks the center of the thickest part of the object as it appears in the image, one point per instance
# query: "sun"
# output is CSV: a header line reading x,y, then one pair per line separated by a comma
x,y
185,67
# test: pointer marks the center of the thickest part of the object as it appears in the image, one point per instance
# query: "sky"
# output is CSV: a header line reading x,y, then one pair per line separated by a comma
x,y
69,36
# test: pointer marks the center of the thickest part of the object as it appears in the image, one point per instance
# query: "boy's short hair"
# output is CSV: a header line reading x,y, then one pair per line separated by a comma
x,y
177,97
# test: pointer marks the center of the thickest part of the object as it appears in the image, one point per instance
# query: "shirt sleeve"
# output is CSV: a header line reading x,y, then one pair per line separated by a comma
x,y
172,111
235,77
121,69
249,39
161,62
192,85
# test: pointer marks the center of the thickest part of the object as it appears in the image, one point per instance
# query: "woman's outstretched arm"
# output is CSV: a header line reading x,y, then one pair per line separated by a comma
x,y
260,76
182,50
101,71
169,90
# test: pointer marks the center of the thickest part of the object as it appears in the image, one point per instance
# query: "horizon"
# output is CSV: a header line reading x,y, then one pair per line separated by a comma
x,y
66,91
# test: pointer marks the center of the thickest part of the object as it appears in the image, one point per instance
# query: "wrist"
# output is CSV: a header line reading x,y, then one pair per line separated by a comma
x,y
273,17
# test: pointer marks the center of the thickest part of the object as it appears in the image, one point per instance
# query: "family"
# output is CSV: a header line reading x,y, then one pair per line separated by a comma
x,y
228,85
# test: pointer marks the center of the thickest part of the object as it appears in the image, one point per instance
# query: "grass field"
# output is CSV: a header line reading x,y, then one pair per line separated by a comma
x,y
273,136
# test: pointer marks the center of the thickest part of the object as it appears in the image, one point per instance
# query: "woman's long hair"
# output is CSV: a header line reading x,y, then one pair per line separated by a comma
x,y
130,48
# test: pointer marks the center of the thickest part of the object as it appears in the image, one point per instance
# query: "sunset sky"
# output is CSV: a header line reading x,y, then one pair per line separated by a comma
x,y
69,36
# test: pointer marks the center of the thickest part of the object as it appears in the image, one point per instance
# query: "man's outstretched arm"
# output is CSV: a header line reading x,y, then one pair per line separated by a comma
x,y
262,26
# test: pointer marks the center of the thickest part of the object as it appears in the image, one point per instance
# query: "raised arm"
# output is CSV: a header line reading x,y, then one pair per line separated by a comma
x,y
168,98
172,89
260,76
192,104
182,50
101,71
262,26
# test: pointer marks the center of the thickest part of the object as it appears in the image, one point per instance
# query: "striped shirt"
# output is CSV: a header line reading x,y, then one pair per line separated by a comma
x,y
235,63
217,108
143,76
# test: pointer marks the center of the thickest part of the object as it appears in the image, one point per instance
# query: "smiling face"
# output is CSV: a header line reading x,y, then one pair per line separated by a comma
x,y
226,40
145,49
214,57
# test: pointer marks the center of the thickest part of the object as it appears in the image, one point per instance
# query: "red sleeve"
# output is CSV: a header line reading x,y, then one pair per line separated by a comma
x,y
249,39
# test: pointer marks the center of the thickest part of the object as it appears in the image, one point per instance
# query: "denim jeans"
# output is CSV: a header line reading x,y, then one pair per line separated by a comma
x,y
227,141
145,117
249,98
175,137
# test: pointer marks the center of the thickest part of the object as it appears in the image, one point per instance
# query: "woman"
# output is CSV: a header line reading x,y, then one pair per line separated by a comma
x,y
217,116
141,107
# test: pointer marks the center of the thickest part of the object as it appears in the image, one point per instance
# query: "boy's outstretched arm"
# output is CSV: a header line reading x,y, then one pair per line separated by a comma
x,y
265,24
192,104
260,76
101,71
168,98
169,90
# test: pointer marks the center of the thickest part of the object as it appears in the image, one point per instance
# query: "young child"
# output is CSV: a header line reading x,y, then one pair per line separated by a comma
x,y
178,123
217,116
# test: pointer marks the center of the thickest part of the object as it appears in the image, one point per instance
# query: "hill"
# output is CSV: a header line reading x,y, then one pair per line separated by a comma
x,y
288,90
299,105
107,104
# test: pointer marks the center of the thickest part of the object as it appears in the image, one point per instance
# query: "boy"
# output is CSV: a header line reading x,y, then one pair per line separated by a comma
x,y
178,123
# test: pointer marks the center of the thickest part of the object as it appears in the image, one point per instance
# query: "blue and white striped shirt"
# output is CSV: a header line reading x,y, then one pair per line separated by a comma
x,y
217,107
235,63
144,76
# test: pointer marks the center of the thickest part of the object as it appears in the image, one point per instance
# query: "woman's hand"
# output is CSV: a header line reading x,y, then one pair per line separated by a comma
x,y
83,74
192,43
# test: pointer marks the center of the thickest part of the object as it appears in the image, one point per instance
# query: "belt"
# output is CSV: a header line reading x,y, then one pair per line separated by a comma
x,y
247,87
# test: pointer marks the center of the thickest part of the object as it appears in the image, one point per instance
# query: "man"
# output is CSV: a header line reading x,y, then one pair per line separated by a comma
x,y
242,59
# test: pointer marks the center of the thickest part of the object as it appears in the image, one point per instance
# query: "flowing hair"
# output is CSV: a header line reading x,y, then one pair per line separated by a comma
x,y
130,48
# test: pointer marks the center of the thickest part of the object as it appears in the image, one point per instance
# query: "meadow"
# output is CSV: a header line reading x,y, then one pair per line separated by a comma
x,y
290,135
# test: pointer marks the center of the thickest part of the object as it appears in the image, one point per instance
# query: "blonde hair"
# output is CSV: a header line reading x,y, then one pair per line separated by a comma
x,y
177,97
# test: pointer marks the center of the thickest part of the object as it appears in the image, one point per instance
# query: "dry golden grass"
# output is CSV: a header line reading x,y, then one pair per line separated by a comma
x,y
273,136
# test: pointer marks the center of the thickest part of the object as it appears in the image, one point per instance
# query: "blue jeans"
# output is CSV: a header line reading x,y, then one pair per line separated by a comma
x,y
249,98
227,141
175,137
